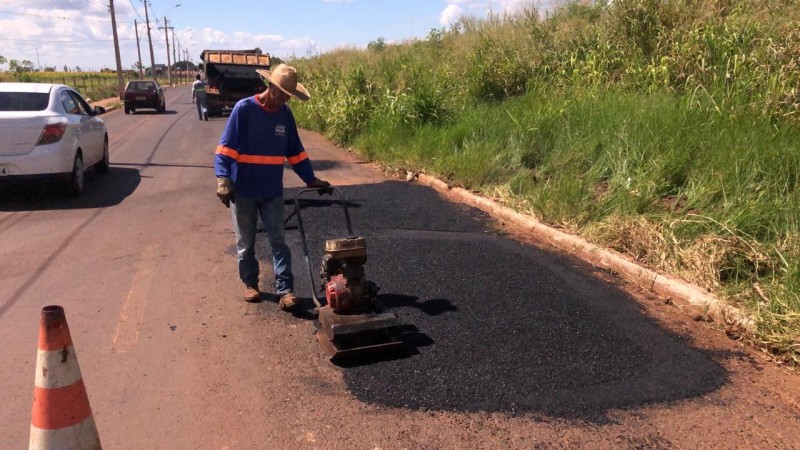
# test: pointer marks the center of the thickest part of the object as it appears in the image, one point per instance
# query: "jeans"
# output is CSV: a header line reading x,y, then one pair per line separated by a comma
x,y
245,213
200,101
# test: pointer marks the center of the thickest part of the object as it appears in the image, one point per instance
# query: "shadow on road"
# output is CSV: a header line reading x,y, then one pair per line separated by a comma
x,y
100,191
325,164
150,112
431,307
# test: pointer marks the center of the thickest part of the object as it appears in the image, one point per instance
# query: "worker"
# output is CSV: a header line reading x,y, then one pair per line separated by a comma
x,y
260,134
199,97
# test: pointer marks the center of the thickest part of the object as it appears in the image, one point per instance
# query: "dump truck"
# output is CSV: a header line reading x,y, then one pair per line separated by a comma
x,y
231,76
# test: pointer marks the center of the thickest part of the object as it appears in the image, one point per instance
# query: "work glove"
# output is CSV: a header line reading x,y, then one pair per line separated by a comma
x,y
225,191
322,187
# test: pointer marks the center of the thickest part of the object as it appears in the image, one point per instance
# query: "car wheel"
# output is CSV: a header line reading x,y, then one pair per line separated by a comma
x,y
75,184
127,110
102,166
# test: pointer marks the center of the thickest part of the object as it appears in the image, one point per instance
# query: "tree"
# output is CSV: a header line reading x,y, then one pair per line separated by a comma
x,y
20,66
66,69
436,35
378,44
2,60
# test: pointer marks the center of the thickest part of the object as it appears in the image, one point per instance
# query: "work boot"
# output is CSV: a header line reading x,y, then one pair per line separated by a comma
x,y
288,301
252,295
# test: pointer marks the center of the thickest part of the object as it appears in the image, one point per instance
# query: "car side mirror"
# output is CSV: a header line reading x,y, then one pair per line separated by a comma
x,y
99,110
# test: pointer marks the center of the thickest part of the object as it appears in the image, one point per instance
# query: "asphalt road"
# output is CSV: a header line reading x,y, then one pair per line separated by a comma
x,y
507,345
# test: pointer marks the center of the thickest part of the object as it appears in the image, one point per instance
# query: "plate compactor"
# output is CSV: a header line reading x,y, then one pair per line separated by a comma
x,y
353,321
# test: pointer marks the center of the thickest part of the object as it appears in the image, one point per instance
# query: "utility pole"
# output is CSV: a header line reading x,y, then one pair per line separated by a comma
x,y
150,40
138,49
177,63
38,64
175,59
166,35
116,48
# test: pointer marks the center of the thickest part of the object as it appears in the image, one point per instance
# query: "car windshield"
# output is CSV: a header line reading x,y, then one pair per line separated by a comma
x,y
140,87
24,101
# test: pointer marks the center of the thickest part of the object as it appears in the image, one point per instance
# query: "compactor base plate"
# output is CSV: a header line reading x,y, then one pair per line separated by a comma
x,y
346,335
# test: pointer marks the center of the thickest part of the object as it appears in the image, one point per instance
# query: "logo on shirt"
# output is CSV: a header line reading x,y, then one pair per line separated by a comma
x,y
280,130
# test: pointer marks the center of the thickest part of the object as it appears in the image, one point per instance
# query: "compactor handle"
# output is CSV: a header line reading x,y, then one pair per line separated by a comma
x,y
330,190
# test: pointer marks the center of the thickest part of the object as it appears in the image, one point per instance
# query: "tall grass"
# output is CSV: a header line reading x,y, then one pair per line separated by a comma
x,y
666,129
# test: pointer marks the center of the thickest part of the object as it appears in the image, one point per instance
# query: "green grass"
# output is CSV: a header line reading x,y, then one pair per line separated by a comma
x,y
667,130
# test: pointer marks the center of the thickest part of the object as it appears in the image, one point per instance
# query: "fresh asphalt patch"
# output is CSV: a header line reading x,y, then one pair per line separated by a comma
x,y
493,325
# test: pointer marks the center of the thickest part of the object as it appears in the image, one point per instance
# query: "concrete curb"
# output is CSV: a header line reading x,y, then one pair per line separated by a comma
x,y
648,279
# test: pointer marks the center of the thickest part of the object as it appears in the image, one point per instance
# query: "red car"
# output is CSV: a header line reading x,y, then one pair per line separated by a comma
x,y
144,94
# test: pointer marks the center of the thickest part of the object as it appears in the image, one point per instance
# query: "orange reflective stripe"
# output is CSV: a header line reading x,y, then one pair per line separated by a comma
x,y
257,159
222,150
296,159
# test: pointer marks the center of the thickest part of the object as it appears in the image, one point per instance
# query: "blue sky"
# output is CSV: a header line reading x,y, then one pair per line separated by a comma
x,y
79,32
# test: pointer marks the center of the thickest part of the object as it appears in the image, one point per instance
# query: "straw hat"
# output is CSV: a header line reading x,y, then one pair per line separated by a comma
x,y
284,78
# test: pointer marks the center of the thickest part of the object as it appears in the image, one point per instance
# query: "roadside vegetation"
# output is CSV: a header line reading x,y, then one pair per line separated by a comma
x,y
91,85
668,130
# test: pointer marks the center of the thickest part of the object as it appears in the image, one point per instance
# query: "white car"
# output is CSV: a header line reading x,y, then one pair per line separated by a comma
x,y
50,131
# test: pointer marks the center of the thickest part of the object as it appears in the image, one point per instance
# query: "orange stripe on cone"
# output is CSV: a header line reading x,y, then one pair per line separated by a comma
x,y
60,408
61,416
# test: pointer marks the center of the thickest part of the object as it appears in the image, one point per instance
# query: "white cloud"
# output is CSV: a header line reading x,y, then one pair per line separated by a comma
x,y
79,33
273,44
514,6
450,14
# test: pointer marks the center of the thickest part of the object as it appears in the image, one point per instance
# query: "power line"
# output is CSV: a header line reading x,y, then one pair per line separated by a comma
x,y
136,11
58,17
97,4
64,42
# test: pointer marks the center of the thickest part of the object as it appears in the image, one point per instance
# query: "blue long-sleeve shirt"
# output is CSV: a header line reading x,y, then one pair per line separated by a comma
x,y
253,147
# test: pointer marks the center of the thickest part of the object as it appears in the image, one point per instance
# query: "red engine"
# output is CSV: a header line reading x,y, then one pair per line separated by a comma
x,y
346,288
